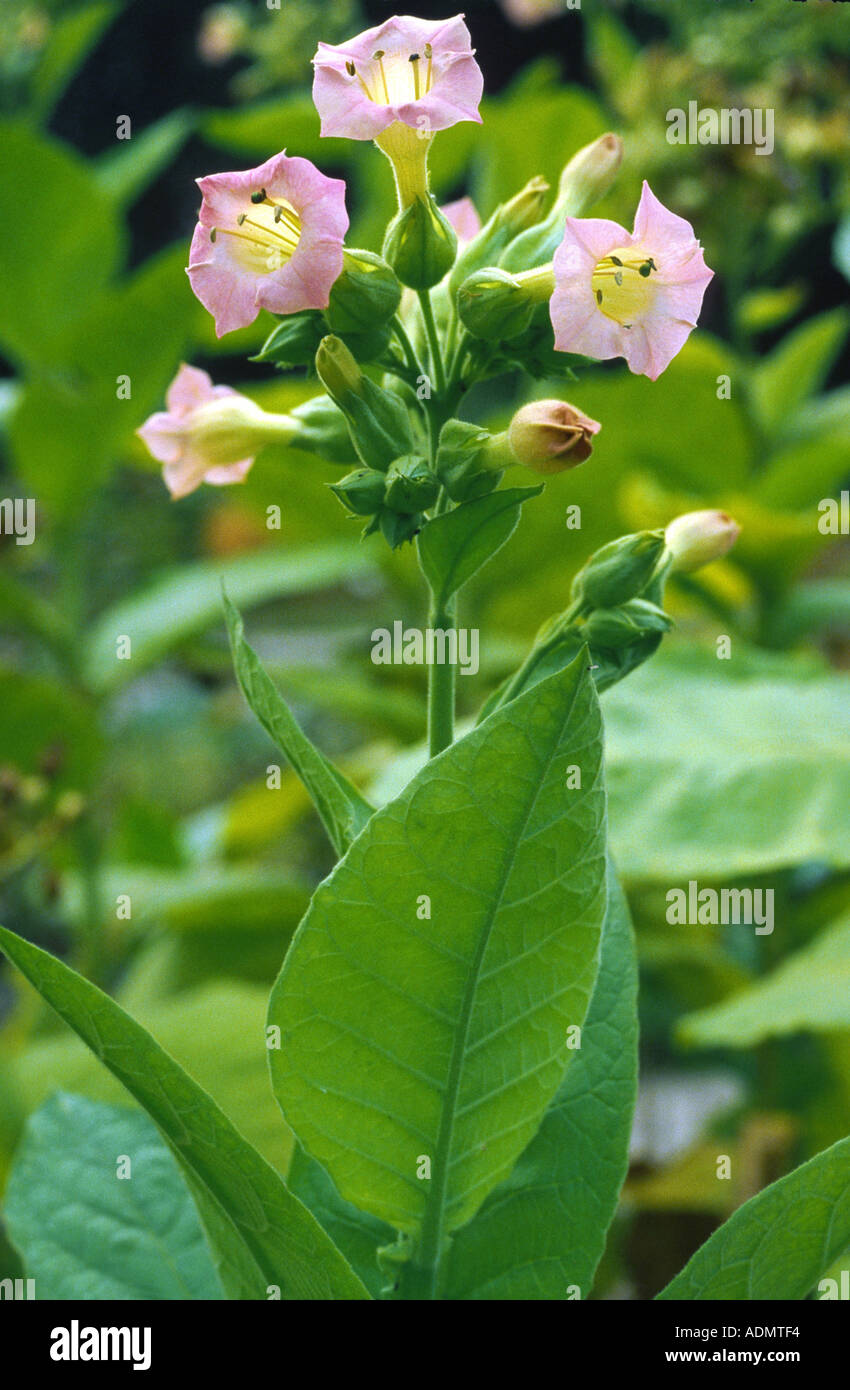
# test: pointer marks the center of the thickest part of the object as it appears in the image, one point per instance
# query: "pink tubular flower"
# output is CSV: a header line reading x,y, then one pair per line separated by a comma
x,y
209,434
420,72
267,238
634,295
462,215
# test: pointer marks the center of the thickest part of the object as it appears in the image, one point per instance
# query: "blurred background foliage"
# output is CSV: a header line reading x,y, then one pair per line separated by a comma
x,y
144,781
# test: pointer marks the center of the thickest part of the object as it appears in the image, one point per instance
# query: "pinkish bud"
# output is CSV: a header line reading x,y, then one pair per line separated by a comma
x,y
697,538
551,436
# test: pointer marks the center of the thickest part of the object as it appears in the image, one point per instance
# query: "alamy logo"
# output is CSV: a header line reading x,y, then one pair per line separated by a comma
x,y
432,647
704,907
17,518
17,1288
727,126
77,1343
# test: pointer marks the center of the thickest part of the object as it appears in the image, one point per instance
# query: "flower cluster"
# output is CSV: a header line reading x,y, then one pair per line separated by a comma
x,y
398,338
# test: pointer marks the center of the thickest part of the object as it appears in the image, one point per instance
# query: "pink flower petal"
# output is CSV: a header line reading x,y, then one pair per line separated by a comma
x,y
462,215
227,283
668,312
360,106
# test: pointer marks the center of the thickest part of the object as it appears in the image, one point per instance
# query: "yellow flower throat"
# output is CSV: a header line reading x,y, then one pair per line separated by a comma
x,y
266,237
392,79
624,284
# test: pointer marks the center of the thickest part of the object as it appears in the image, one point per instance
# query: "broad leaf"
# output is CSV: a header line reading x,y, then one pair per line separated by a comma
x,y
797,367
453,547
409,1037
84,1231
187,600
544,1228
263,1222
765,785
779,1243
808,991
44,294
342,809
356,1234
214,1031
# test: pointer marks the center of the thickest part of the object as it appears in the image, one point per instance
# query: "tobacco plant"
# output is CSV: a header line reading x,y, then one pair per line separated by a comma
x,y
452,1038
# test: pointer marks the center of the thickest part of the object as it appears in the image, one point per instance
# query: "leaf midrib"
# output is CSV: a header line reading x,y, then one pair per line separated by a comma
x,y
435,1202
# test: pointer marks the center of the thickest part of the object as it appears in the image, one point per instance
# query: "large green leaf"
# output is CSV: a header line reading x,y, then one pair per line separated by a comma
x,y
68,433
797,367
214,1031
83,1231
46,286
779,1243
718,768
809,991
264,1224
187,600
544,1228
342,809
453,547
406,1037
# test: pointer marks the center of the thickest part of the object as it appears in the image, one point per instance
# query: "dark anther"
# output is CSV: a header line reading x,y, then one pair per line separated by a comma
x,y
414,58
259,197
598,296
241,218
350,69
616,260
212,234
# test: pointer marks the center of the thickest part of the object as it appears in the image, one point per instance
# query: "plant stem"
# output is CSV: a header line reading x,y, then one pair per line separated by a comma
x,y
441,684
407,347
433,340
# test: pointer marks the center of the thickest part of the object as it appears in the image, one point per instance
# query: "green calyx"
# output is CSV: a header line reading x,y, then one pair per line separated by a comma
x,y
620,570
420,244
378,420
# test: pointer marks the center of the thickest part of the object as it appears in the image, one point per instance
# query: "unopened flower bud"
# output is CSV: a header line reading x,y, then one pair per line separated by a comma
x,y
509,219
620,627
620,570
364,296
587,176
377,420
470,460
496,305
411,486
551,436
420,244
362,491
697,538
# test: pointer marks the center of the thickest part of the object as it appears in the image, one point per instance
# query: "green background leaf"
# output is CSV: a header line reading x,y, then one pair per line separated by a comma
x,y
779,1243
84,1232
263,1221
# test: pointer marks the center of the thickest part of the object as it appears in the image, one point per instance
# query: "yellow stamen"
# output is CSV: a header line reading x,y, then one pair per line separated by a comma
x,y
414,62
624,284
379,58
273,238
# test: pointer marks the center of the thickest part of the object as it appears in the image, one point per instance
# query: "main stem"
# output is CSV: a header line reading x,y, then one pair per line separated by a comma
x,y
441,683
